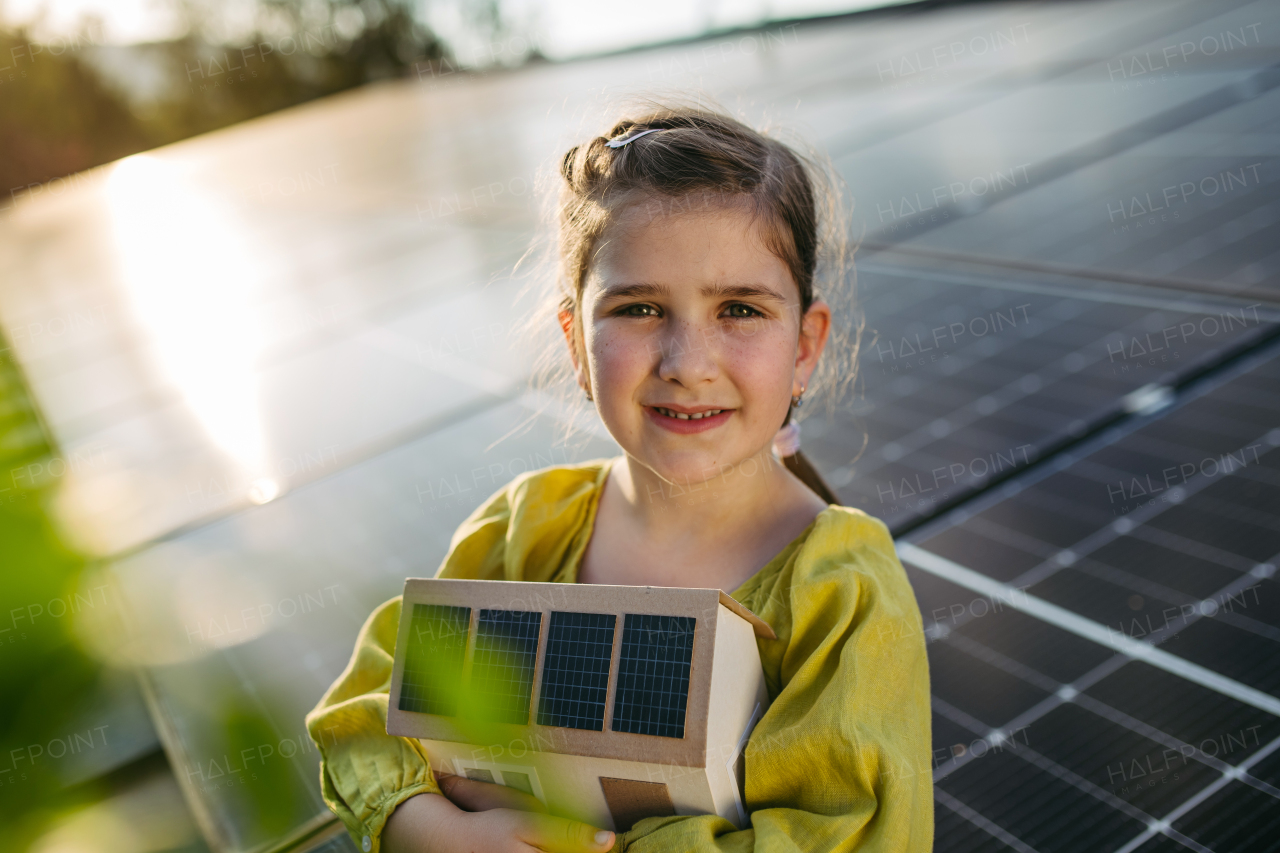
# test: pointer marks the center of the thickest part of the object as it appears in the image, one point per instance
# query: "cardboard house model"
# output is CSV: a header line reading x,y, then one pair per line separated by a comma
x,y
607,703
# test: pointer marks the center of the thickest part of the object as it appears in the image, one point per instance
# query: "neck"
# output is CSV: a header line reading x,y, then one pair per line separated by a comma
x,y
718,500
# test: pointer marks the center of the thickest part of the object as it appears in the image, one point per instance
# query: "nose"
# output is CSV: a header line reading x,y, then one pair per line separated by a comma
x,y
688,354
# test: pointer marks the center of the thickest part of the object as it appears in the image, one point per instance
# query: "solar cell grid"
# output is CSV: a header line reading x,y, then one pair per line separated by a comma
x,y
437,642
1132,719
653,675
1237,818
575,670
502,665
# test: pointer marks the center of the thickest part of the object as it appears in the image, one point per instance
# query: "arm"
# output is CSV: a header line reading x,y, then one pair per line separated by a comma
x,y
382,786
841,760
365,773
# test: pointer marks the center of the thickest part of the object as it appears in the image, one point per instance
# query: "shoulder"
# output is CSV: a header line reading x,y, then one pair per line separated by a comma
x,y
530,522
540,491
853,552
556,485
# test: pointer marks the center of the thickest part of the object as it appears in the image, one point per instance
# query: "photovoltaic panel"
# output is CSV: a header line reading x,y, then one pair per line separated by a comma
x,y
653,675
433,660
502,666
971,378
575,670
1163,532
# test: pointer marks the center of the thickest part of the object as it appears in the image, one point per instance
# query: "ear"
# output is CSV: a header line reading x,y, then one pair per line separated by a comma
x,y
566,325
815,328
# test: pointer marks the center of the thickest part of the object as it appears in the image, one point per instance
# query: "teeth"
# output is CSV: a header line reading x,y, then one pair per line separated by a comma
x,y
696,417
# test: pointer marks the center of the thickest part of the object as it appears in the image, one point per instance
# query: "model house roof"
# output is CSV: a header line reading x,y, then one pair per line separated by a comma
x,y
608,671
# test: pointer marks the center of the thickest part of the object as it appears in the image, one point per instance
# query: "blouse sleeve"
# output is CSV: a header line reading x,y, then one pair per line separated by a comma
x,y
841,760
366,773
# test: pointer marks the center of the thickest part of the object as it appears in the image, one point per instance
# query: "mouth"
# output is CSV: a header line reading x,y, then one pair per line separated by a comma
x,y
686,422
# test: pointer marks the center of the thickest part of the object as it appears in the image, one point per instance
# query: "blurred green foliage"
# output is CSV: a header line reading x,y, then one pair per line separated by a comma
x,y
44,675
58,115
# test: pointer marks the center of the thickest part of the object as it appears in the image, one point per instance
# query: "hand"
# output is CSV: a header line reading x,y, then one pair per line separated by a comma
x,y
429,823
473,796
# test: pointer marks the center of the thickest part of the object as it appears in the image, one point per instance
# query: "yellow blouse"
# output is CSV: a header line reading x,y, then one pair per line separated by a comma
x,y
839,762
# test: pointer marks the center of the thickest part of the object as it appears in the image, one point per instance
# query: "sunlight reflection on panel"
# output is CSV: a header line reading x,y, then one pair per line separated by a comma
x,y
192,276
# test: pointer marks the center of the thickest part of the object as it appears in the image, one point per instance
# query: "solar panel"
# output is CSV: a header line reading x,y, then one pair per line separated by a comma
x,y
503,663
1151,211
575,670
653,675
1171,752
433,660
972,376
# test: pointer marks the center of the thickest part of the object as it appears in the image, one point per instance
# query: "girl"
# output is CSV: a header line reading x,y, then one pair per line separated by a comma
x,y
688,246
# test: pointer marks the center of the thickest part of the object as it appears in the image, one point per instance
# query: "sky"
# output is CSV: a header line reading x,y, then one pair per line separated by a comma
x,y
565,28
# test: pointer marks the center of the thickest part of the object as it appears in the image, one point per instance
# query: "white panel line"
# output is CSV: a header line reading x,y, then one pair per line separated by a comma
x,y
982,822
1204,794
1087,628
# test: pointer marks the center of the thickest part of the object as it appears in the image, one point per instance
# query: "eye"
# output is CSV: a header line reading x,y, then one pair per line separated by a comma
x,y
739,310
638,310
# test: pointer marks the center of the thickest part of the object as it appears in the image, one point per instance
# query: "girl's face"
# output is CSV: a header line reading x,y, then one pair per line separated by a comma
x,y
688,313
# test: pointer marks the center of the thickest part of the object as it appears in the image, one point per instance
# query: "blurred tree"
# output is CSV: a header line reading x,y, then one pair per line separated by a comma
x,y
58,115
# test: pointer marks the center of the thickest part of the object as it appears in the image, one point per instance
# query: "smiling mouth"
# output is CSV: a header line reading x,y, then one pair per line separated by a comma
x,y
684,417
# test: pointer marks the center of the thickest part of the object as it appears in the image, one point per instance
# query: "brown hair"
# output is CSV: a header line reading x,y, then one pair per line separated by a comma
x,y
707,155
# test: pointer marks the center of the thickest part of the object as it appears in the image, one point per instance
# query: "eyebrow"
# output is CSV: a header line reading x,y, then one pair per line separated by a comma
x,y
739,291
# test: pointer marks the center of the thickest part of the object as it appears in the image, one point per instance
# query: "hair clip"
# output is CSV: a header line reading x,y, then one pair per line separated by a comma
x,y
618,143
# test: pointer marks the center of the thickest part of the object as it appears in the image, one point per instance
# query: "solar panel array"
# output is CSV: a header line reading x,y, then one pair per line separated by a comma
x,y
972,376
653,675
1050,731
575,670
1018,351
653,671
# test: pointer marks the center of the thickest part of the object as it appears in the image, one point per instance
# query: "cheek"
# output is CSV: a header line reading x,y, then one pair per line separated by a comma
x,y
619,361
762,364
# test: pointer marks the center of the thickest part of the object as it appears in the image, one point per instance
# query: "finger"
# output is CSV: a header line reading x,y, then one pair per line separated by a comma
x,y
476,796
560,835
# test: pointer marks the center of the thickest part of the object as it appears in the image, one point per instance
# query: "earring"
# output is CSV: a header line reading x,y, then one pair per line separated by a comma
x,y
589,397
797,400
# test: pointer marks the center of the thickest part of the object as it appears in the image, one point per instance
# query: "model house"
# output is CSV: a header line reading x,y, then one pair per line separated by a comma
x,y
607,703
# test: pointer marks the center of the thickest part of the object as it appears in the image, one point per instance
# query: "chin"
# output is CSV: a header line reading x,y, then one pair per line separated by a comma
x,y
691,467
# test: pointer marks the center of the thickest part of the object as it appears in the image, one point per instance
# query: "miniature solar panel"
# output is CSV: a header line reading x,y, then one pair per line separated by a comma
x,y
502,666
653,675
433,659
575,670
